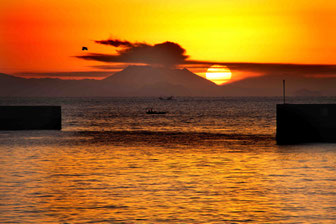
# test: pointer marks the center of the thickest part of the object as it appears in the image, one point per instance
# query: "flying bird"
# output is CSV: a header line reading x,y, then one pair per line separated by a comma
x,y
84,48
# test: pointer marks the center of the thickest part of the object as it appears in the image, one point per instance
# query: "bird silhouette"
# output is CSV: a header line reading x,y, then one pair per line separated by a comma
x,y
84,48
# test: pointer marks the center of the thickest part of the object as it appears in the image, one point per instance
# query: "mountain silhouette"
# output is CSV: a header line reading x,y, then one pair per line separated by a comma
x,y
132,81
151,81
271,85
159,81
17,87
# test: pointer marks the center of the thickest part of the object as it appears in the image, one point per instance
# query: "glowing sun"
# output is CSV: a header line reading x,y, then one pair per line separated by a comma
x,y
218,74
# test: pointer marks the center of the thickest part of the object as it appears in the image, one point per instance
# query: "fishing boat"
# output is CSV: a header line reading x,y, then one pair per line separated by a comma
x,y
166,98
151,111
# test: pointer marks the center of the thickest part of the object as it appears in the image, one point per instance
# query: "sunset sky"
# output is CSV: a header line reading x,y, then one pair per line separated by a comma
x,y
46,36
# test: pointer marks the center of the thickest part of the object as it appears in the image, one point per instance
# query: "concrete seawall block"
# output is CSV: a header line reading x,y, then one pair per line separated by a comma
x,y
30,118
303,123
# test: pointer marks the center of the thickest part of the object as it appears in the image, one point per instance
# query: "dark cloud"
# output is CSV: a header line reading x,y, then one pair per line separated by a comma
x,y
167,53
298,69
111,67
78,75
116,43
273,68
172,54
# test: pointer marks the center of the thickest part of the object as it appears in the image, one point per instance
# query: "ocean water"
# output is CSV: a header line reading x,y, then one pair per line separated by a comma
x,y
208,160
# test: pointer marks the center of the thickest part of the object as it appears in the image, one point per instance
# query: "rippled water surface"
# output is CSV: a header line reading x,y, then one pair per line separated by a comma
x,y
208,160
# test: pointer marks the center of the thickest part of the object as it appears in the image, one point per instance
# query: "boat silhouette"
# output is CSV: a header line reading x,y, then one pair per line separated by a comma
x,y
151,111
166,98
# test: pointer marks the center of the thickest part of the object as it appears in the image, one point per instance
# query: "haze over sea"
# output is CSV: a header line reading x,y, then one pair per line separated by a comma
x,y
208,160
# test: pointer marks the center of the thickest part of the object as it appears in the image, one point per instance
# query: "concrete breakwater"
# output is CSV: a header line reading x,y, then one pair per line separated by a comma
x,y
303,123
30,118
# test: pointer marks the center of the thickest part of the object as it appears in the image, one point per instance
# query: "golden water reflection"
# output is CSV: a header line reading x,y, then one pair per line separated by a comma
x,y
151,185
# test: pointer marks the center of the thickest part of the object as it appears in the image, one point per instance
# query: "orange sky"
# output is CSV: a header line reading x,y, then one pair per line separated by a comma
x,y
42,36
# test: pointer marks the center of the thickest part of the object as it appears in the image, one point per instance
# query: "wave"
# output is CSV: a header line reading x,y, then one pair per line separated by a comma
x,y
164,139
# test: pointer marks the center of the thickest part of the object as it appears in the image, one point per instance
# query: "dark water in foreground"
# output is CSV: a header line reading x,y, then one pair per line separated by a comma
x,y
208,160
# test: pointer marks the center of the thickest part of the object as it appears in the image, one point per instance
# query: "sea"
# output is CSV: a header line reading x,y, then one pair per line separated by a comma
x,y
207,160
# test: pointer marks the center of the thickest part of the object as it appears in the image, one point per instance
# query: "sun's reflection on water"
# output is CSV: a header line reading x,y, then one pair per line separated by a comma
x,y
105,184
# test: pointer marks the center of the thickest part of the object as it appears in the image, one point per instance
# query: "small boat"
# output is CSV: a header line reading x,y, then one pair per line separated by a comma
x,y
151,111
167,98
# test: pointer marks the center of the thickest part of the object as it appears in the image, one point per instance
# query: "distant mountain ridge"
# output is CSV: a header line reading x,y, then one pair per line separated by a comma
x,y
144,81
271,85
132,81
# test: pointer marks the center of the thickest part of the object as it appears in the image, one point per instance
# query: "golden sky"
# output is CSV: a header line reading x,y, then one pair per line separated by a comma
x,y
43,36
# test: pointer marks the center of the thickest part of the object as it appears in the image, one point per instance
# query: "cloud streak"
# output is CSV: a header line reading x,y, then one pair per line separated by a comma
x,y
319,70
115,43
66,75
